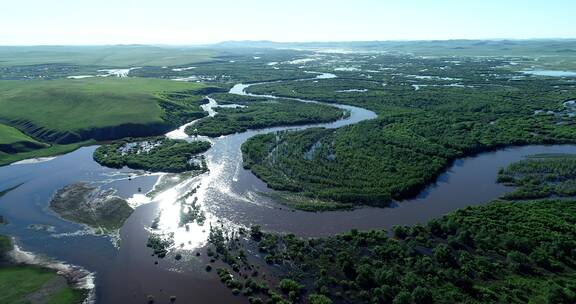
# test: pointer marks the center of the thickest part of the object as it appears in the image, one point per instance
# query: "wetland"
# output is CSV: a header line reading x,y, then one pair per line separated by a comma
x,y
399,173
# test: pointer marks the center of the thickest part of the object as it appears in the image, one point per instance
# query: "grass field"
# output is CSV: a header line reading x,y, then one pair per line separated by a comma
x,y
22,283
56,108
66,295
14,141
84,104
17,282
15,146
52,150
67,112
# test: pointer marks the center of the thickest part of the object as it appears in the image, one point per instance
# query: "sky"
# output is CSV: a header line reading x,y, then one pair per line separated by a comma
x,y
183,22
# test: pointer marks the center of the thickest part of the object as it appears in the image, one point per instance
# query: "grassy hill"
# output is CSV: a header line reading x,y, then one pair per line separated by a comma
x,y
72,110
14,141
68,111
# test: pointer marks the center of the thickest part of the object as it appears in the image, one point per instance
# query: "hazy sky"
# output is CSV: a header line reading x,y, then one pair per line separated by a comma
x,y
191,22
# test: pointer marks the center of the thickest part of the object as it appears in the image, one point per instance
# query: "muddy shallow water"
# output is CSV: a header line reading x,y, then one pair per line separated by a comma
x,y
227,194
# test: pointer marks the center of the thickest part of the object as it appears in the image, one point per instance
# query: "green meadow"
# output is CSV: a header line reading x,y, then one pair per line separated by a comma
x,y
65,112
13,141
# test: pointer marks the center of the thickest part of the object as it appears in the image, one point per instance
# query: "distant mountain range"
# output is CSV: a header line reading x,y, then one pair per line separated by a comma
x,y
496,47
514,47
475,42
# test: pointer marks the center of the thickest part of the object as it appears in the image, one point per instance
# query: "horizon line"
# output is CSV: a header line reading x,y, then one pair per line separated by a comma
x,y
199,44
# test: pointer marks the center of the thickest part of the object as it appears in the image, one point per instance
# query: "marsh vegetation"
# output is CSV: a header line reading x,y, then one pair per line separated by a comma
x,y
541,176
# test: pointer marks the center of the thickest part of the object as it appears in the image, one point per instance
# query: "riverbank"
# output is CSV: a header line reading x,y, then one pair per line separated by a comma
x,y
417,135
82,111
51,151
23,281
227,195
454,259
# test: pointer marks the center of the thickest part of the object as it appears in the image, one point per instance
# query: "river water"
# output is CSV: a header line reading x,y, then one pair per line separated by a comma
x,y
227,194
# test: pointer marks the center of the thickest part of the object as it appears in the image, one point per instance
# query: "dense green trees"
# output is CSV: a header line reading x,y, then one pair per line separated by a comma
x,y
353,164
503,252
262,113
459,109
156,154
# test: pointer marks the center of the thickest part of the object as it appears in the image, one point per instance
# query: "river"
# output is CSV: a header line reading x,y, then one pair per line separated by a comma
x,y
228,194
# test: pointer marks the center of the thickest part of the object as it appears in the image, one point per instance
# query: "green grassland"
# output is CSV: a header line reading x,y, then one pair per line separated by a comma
x,y
15,146
14,141
463,47
503,252
18,282
52,150
455,47
63,106
67,112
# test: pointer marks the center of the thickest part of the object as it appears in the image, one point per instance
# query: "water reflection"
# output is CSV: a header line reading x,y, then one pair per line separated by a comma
x,y
218,192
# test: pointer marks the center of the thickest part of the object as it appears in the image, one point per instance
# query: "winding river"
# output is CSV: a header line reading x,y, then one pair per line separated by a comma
x,y
228,194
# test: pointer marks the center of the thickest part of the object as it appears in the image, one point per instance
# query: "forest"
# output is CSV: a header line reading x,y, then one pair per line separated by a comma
x,y
424,123
502,252
263,113
154,154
